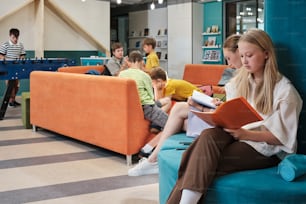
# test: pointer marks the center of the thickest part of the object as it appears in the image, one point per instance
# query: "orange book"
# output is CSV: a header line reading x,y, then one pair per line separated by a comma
x,y
231,114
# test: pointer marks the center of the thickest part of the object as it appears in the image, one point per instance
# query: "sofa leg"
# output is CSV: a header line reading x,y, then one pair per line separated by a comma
x,y
129,160
34,128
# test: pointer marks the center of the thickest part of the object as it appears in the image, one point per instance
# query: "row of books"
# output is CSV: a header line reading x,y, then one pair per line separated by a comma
x,y
146,32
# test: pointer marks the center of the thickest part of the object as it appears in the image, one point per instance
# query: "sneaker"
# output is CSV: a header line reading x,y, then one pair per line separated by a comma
x,y
11,104
142,154
16,103
144,167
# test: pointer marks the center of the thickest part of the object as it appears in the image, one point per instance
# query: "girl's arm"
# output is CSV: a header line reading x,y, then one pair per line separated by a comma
x,y
254,135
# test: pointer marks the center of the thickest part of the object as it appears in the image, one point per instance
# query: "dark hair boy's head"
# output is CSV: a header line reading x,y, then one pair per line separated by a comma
x,y
158,73
116,45
149,41
135,56
15,32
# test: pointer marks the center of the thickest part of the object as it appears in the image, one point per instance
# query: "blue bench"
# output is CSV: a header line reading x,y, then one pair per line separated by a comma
x,y
254,186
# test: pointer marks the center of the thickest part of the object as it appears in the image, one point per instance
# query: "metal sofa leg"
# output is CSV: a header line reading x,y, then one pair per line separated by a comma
x,y
129,160
34,128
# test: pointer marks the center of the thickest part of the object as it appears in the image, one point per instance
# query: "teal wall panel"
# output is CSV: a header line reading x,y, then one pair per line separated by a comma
x,y
285,21
213,15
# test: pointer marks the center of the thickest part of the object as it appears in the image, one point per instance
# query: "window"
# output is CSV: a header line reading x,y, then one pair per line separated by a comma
x,y
242,15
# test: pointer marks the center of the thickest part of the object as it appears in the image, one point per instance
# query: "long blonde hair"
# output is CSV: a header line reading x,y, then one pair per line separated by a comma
x,y
263,97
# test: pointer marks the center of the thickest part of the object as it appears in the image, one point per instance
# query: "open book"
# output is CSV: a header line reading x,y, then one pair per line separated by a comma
x,y
203,99
231,114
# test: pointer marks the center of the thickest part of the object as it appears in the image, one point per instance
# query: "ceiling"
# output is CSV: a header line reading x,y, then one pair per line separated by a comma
x,y
127,2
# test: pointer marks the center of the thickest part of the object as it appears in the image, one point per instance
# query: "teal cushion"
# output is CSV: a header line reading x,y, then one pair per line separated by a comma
x,y
292,167
177,142
254,186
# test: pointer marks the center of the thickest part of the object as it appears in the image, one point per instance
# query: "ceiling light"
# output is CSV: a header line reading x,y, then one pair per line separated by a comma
x,y
152,6
119,1
160,1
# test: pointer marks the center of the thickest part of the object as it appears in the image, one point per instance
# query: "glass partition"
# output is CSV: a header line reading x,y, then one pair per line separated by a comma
x,y
242,15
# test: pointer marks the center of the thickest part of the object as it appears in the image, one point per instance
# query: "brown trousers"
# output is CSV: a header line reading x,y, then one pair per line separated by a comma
x,y
212,154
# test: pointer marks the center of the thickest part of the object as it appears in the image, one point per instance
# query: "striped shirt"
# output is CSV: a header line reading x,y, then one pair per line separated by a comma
x,y
12,51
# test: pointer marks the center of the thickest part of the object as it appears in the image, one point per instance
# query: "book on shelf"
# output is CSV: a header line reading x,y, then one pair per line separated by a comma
x,y
146,32
158,54
214,29
158,43
212,55
232,114
164,43
211,41
137,44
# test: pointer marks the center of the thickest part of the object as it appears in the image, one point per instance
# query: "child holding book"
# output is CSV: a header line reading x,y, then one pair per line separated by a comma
x,y
148,46
152,112
256,145
178,117
166,89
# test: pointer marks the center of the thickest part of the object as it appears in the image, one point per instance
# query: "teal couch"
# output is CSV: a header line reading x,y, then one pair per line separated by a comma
x,y
255,186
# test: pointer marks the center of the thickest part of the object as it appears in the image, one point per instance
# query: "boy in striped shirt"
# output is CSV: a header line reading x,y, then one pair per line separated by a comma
x,y
13,50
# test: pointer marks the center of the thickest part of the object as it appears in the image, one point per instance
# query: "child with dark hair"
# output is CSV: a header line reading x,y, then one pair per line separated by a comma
x,y
143,81
117,62
13,50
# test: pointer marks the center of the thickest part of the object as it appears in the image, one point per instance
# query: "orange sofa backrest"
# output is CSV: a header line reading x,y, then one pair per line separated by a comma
x,y
203,74
101,110
80,69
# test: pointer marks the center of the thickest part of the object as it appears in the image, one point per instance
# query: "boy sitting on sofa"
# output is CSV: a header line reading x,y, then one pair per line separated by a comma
x,y
152,112
165,90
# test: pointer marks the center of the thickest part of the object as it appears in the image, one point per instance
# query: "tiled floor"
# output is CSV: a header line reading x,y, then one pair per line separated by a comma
x,y
43,167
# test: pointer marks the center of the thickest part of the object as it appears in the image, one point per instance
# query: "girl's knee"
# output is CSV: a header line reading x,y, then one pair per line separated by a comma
x,y
212,134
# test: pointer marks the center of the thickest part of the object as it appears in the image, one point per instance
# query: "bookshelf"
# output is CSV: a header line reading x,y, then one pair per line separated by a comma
x,y
149,23
211,47
162,48
212,33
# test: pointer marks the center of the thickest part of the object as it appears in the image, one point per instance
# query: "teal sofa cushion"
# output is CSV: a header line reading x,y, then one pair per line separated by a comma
x,y
254,186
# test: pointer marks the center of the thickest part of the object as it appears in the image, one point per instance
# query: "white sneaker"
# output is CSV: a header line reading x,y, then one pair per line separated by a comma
x,y
144,167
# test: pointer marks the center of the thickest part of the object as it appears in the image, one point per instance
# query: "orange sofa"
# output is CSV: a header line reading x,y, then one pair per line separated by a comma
x,y
205,74
100,110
